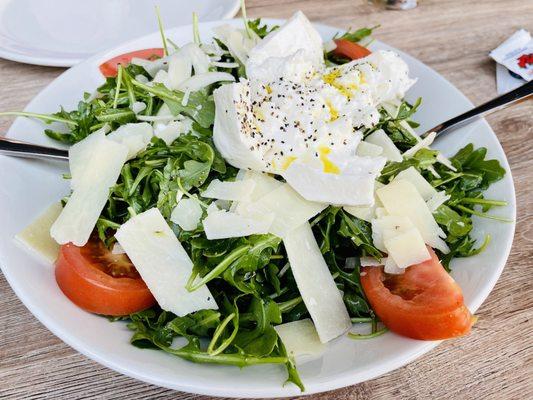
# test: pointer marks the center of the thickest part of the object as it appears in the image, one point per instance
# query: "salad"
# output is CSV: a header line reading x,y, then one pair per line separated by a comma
x,y
246,200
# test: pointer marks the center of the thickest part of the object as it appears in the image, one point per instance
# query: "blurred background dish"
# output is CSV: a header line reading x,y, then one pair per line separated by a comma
x,y
62,33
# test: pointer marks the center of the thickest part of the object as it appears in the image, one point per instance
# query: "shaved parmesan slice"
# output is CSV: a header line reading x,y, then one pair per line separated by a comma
x,y
367,149
225,64
316,285
80,154
290,209
138,107
263,184
370,262
238,190
221,224
300,338
438,199
390,151
91,183
36,236
200,61
187,214
366,213
391,267
173,130
201,81
380,211
179,69
407,248
353,187
135,136
401,198
422,144
387,227
162,263
413,176
151,66
117,249
330,45
162,77
237,42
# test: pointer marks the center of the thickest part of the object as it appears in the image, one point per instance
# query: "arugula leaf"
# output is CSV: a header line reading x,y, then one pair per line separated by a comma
x,y
358,35
360,233
199,106
259,28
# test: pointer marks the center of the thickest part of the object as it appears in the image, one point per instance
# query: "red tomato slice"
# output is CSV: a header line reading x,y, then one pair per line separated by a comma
x,y
423,303
110,68
101,282
350,50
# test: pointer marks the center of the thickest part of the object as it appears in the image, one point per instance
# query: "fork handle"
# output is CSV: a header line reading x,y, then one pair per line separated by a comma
x,y
12,147
505,100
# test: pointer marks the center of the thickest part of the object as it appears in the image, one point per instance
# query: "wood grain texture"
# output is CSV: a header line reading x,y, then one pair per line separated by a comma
x,y
494,362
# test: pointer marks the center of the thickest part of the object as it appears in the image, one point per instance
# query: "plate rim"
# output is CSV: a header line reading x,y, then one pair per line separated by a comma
x,y
51,61
343,379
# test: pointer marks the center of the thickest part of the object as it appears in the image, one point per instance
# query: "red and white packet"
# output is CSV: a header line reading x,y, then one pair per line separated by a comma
x,y
516,54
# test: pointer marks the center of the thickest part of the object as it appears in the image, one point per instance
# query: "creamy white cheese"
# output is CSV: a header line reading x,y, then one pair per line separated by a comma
x,y
293,110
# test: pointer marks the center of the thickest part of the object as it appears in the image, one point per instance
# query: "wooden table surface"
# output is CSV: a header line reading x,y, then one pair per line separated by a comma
x,y
494,362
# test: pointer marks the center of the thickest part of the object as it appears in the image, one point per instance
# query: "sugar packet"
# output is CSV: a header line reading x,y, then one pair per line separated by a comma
x,y
516,54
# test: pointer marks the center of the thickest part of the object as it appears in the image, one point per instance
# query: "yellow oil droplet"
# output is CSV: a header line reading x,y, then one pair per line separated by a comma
x,y
329,78
268,89
287,163
259,114
329,166
362,79
333,113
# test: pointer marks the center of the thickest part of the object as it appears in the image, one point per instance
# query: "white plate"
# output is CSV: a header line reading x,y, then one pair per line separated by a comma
x,y
61,33
29,186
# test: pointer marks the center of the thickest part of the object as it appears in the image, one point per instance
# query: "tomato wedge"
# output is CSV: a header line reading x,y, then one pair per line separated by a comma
x,y
101,282
110,68
350,50
423,303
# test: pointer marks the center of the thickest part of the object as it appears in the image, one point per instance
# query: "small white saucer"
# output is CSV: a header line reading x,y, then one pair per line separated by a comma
x,y
62,33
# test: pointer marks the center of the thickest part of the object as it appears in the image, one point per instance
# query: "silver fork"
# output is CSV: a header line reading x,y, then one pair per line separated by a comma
x,y
18,148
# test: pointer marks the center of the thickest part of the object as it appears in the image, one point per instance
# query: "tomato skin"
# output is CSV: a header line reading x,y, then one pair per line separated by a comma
x,y
110,68
95,291
423,303
350,50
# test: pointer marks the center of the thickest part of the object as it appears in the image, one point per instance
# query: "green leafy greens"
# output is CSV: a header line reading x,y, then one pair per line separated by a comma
x,y
250,277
